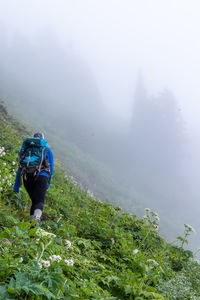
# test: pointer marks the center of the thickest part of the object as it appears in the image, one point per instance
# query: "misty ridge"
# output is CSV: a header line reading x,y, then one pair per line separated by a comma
x,y
148,153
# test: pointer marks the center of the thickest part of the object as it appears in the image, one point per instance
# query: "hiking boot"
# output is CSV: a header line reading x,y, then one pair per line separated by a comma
x,y
37,215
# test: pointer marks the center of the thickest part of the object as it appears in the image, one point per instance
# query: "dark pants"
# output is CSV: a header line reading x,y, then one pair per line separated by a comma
x,y
36,188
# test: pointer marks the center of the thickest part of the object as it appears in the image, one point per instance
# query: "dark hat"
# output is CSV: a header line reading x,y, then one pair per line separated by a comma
x,y
39,135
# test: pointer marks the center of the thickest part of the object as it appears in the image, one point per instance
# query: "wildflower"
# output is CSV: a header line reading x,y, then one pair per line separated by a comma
x,y
4,164
44,234
13,163
46,263
69,262
189,228
68,244
112,240
147,209
2,153
1,189
55,258
152,262
58,257
135,251
21,260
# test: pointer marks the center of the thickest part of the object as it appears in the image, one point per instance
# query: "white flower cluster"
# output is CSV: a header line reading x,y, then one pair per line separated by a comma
x,y
68,244
2,151
152,214
44,234
189,228
69,262
5,180
112,241
9,182
44,263
147,210
6,175
14,172
55,258
135,251
152,262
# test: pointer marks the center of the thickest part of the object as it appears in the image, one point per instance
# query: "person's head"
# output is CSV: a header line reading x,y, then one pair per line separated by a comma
x,y
39,135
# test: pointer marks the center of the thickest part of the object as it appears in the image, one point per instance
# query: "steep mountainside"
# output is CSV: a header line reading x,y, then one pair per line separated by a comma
x,y
83,249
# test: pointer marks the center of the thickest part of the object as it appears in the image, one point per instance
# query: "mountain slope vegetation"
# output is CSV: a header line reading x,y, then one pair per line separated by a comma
x,y
83,249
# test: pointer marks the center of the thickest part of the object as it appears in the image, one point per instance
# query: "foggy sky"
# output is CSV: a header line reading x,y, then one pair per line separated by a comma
x,y
120,38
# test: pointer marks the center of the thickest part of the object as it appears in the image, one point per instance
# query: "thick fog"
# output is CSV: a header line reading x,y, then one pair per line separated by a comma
x,y
119,80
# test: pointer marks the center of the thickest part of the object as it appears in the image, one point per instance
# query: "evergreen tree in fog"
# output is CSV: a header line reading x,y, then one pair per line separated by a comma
x,y
157,140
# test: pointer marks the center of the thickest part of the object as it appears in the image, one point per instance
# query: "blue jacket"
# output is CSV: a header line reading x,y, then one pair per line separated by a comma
x,y
50,160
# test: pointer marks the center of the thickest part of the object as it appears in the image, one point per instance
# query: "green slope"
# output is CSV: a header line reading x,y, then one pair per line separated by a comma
x,y
87,171
83,249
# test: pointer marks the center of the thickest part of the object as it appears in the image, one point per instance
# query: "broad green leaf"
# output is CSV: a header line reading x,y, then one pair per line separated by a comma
x,y
13,220
4,293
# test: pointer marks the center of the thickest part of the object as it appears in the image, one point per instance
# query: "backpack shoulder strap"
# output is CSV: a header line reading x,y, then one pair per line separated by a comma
x,y
43,143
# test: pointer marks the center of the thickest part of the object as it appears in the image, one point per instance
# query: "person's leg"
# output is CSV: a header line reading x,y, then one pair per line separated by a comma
x,y
39,189
28,184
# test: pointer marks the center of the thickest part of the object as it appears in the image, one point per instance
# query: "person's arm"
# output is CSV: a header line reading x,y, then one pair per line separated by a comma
x,y
17,182
51,164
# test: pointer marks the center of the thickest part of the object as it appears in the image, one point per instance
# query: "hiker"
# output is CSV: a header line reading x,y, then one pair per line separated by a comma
x,y
35,161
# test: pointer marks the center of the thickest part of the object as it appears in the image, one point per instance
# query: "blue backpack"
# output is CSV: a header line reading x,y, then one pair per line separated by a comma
x,y
32,156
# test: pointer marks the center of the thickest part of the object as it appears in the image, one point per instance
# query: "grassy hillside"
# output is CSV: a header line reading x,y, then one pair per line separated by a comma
x,y
95,176
86,170
83,249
